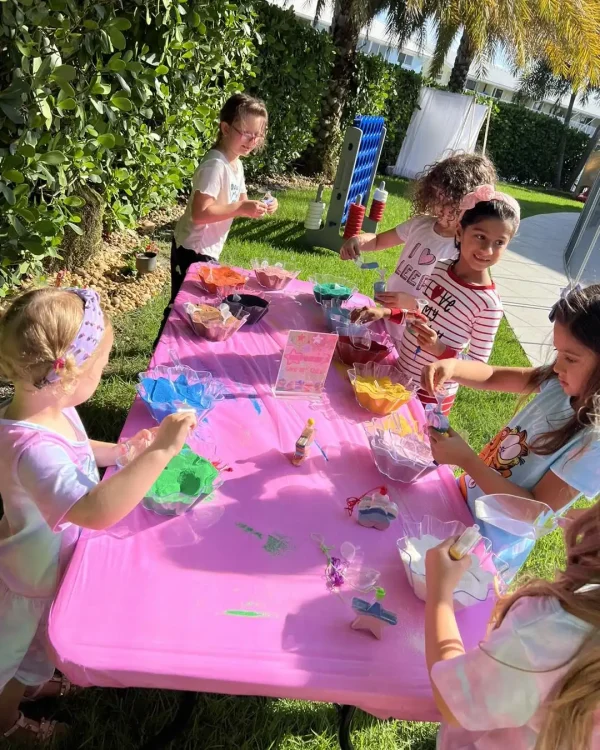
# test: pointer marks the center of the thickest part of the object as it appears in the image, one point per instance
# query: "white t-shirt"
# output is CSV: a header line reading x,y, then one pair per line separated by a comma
x,y
423,248
225,183
497,691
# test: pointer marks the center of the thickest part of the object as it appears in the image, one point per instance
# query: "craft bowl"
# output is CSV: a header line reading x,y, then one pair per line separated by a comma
x,y
401,456
274,278
220,280
178,503
327,287
476,585
374,395
375,348
250,305
209,391
214,330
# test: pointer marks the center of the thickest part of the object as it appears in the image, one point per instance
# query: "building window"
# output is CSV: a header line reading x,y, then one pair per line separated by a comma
x,y
404,59
498,93
471,84
586,120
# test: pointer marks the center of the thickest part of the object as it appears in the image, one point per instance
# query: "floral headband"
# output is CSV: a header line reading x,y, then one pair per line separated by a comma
x,y
88,336
488,193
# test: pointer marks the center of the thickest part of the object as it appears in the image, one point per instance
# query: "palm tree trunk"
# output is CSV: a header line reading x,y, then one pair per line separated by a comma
x,y
589,149
462,64
345,30
563,142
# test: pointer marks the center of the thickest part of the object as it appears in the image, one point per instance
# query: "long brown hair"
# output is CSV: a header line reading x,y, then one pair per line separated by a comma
x,y
579,311
570,706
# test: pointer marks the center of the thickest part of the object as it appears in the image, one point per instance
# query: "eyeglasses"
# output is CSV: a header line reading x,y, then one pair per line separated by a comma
x,y
249,137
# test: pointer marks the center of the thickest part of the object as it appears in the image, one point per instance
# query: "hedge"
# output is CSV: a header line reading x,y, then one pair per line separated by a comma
x,y
524,145
119,97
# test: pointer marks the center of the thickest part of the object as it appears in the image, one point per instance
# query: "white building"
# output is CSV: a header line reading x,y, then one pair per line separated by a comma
x,y
495,81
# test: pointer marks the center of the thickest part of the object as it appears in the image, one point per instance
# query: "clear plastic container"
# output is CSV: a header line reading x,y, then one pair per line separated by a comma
x,y
375,387
272,277
220,280
328,287
485,577
372,348
402,457
219,328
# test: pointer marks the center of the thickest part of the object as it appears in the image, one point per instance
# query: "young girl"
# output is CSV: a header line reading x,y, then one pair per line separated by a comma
x,y
219,190
460,303
55,344
534,682
428,237
550,451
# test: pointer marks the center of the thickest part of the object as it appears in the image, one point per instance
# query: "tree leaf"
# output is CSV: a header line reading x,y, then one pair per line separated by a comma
x,y
107,140
66,89
116,64
26,150
8,194
122,103
74,201
124,84
53,157
120,23
64,73
13,175
74,227
117,38
161,70
67,104
45,227
13,114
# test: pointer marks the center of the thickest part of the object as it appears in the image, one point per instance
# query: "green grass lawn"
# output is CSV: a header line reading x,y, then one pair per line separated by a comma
x,y
108,719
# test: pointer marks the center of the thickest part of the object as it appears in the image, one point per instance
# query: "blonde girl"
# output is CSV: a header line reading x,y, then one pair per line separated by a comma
x,y
534,682
54,345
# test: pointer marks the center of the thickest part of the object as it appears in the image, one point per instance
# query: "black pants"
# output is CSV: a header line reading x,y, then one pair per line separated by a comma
x,y
181,259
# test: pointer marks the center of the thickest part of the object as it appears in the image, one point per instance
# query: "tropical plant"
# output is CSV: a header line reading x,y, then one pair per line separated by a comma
x,y
566,34
538,82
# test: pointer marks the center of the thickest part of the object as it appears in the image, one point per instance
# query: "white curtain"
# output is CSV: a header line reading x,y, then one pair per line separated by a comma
x,y
444,123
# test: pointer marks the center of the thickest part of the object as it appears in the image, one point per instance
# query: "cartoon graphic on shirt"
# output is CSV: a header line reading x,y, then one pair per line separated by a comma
x,y
503,453
234,192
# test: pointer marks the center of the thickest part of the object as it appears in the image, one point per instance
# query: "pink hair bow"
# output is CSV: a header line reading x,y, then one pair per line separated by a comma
x,y
488,193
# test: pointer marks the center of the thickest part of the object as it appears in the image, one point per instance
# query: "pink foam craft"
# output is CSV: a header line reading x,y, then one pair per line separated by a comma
x,y
231,597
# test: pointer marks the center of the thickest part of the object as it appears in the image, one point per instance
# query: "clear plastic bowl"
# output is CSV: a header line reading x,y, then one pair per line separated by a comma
x,y
403,458
215,330
212,390
327,287
220,280
352,350
377,400
477,583
272,277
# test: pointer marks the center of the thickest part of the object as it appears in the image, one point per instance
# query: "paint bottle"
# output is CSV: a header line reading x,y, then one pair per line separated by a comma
x,y
354,222
380,197
268,198
379,286
315,211
304,442
465,543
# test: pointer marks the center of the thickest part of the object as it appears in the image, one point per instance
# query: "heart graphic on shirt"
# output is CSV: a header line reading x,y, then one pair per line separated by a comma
x,y
426,258
437,292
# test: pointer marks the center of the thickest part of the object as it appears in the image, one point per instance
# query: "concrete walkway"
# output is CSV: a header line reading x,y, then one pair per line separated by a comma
x,y
529,279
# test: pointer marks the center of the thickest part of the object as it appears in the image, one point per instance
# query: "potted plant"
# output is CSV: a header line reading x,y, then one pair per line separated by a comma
x,y
145,262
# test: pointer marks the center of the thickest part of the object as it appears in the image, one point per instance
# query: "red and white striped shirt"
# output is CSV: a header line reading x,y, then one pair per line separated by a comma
x,y
465,317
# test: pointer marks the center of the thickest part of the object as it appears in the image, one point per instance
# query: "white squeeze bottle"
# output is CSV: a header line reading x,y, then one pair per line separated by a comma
x,y
465,543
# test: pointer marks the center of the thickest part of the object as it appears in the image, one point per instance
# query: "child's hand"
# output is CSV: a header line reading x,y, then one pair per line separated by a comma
x,y
350,249
364,315
173,432
397,299
272,206
253,209
450,449
436,374
428,338
442,573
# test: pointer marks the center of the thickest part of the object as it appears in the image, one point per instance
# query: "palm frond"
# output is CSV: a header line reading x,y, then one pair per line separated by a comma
x,y
445,35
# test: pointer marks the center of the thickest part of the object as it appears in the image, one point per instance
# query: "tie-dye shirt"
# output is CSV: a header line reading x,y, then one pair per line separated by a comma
x,y
496,692
42,475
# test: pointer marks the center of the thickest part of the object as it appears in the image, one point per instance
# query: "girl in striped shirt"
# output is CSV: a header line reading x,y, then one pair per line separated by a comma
x,y
459,299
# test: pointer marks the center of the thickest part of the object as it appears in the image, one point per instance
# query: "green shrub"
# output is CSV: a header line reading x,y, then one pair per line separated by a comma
x,y
121,97
524,145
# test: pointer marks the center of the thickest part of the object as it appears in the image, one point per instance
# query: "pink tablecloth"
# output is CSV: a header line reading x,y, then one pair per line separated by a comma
x,y
231,597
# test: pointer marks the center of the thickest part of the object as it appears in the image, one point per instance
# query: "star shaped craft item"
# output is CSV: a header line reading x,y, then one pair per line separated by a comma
x,y
371,617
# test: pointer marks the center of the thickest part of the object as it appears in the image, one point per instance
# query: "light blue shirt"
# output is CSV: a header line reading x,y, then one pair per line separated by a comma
x,y
577,463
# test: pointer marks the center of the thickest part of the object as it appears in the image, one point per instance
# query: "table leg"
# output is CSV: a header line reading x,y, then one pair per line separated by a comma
x,y
346,715
187,703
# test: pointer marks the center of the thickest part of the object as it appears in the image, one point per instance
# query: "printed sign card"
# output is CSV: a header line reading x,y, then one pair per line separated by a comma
x,y
305,364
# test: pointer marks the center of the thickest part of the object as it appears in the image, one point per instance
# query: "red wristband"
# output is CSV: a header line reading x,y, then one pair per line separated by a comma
x,y
398,315
448,353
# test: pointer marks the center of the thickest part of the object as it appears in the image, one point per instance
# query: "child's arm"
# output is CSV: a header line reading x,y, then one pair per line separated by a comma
x,y
206,210
369,243
478,375
115,497
106,454
442,636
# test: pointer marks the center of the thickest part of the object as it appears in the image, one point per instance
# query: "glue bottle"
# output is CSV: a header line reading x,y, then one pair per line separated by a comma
x,y
465,543
379,286
315,211
303,442
380,197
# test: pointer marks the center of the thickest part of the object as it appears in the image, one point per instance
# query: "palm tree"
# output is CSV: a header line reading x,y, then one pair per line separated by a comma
x,y
539,83
566,34
350,16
